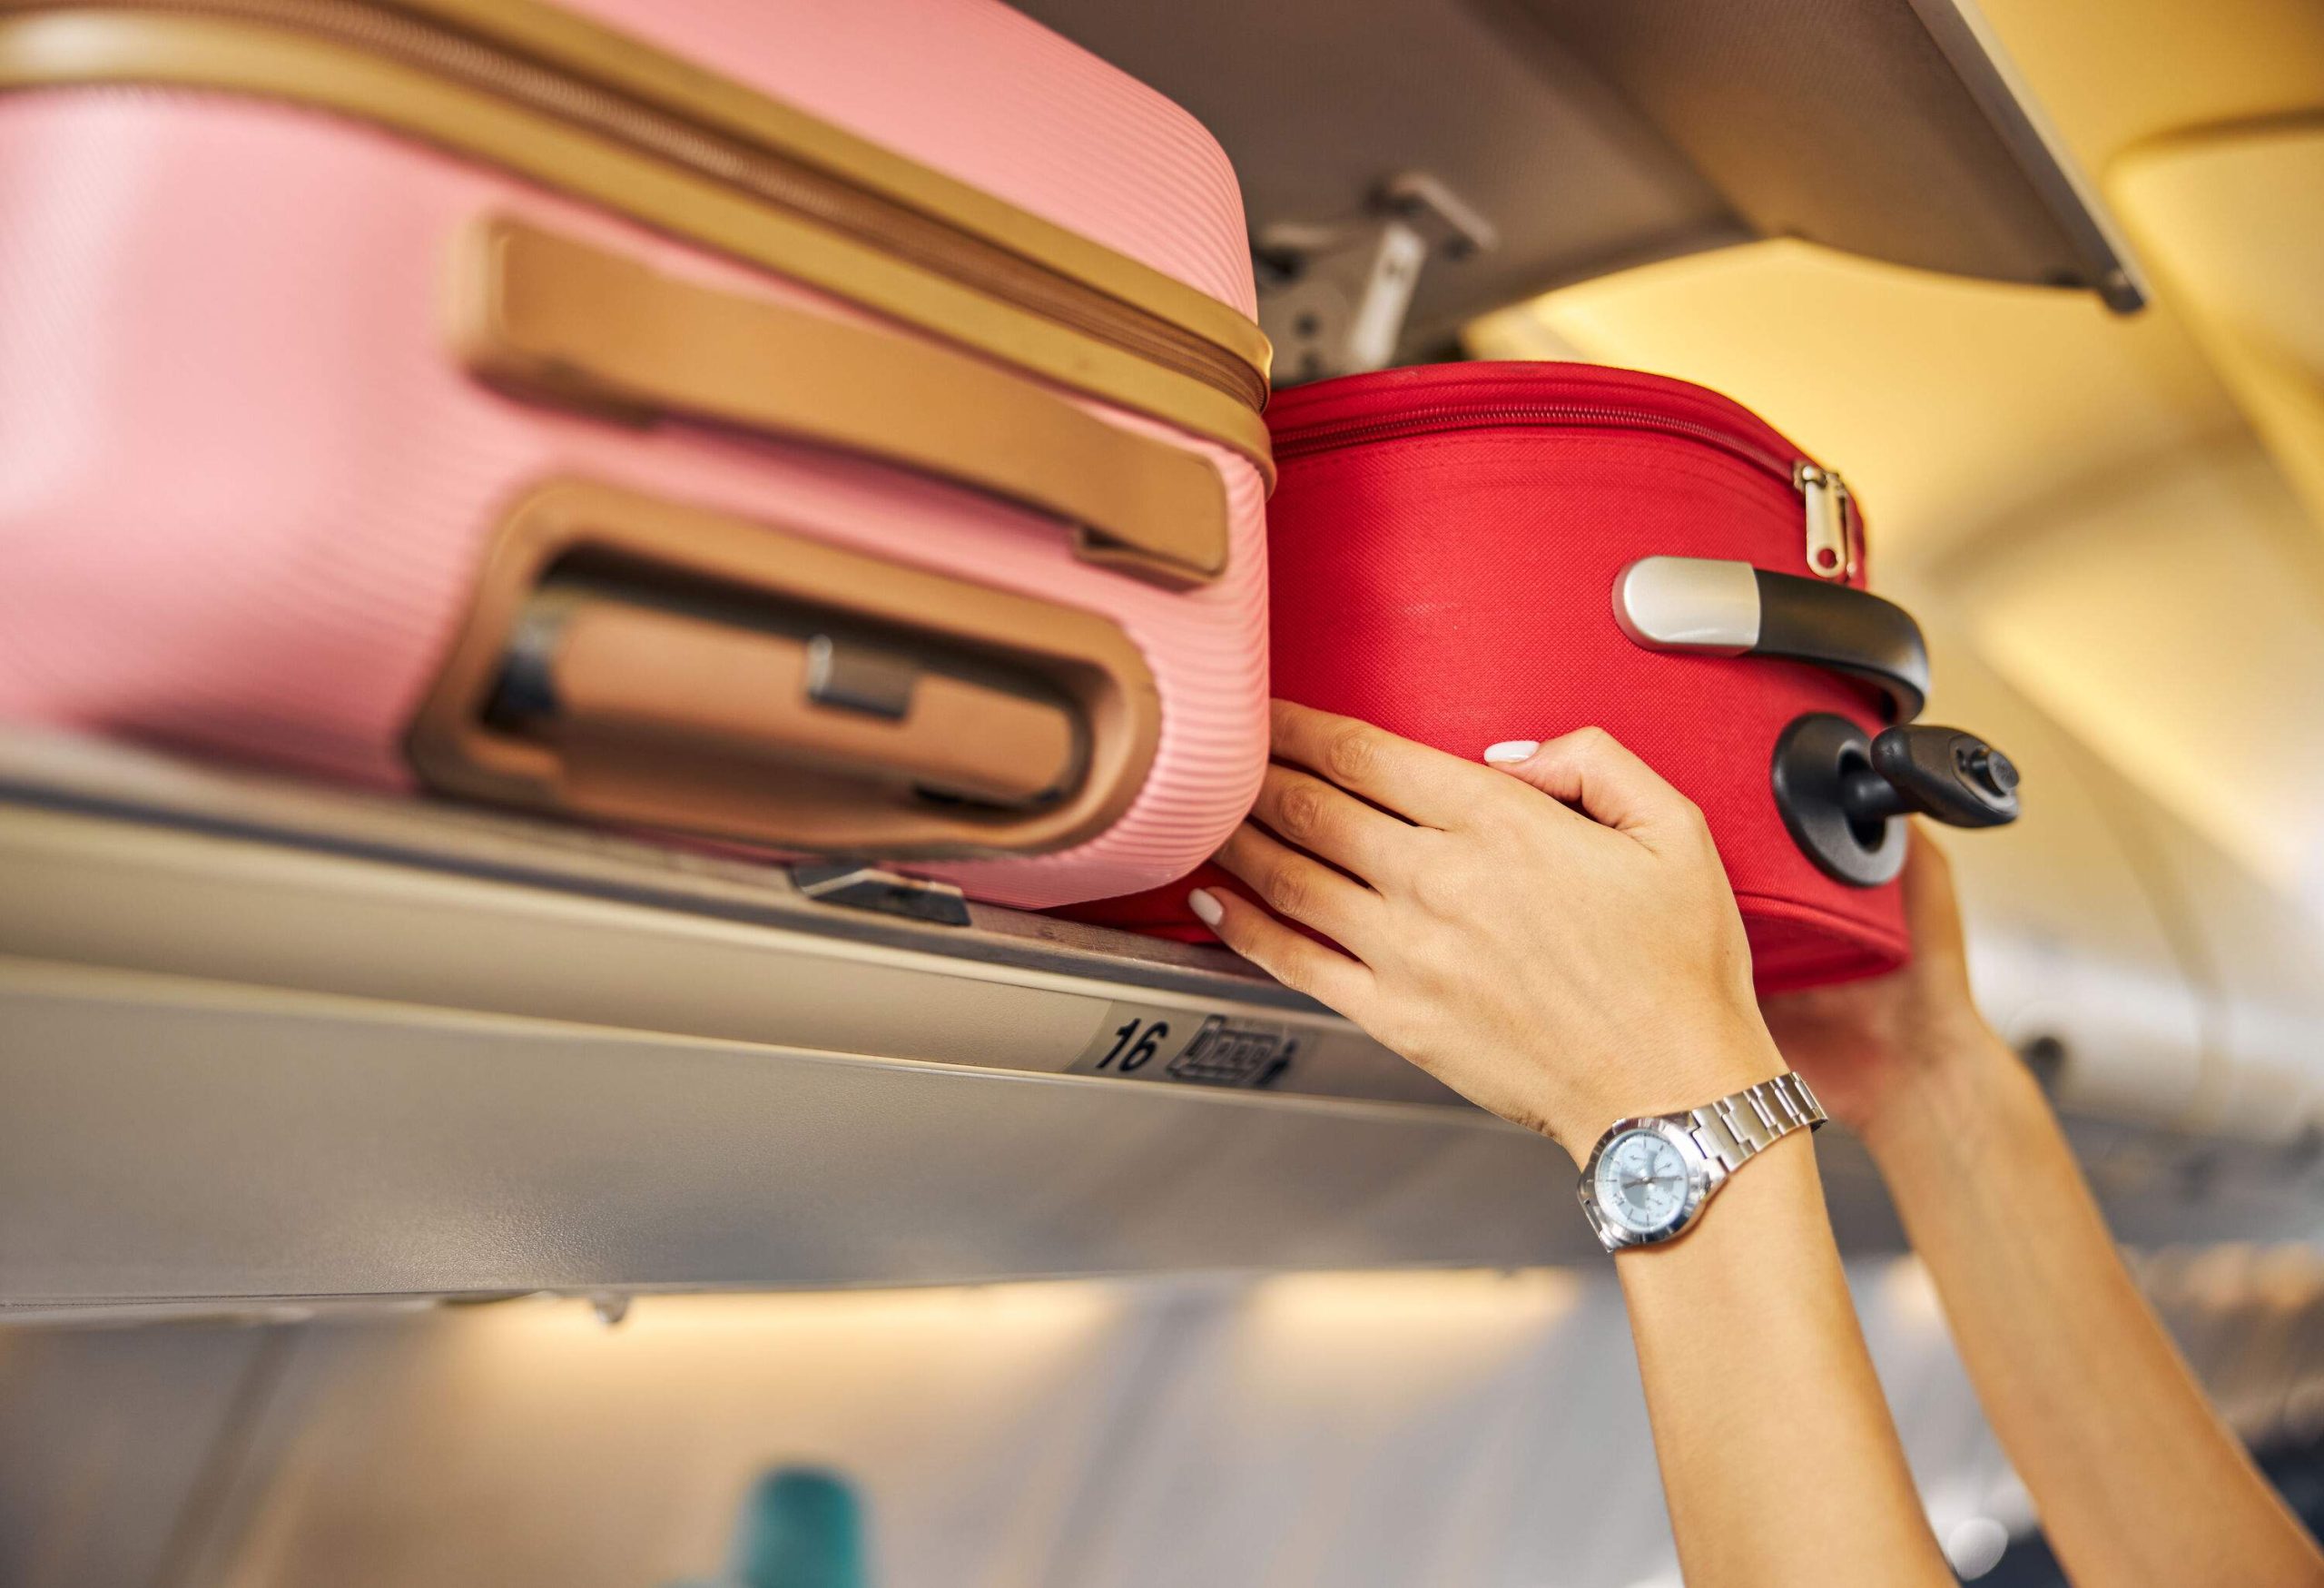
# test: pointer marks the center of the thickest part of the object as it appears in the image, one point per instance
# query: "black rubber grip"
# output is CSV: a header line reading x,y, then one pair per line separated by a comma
x,y
1847,630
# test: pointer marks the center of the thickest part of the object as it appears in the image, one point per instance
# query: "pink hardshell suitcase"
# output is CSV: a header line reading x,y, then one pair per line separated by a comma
x,y
827,424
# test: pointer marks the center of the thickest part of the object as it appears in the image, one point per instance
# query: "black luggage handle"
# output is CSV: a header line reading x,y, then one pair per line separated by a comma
x,y
1719,607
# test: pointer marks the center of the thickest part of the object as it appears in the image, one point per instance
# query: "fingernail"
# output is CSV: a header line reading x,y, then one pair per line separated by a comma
x,y
1207,909
1510,751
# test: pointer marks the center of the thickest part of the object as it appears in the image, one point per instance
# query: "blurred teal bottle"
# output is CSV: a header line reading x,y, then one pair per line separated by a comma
x,y
802,1528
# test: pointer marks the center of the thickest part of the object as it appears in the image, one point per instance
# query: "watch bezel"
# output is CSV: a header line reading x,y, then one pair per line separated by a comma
x,y
1704,1174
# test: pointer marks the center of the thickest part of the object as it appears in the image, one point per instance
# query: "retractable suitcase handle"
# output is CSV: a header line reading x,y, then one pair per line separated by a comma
x,y
1717,606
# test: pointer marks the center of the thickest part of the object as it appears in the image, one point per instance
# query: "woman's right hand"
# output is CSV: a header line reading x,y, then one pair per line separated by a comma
x,y
1862,1045
1550,934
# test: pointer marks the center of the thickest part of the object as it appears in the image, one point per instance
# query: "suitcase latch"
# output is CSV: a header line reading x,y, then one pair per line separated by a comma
x,y
859,679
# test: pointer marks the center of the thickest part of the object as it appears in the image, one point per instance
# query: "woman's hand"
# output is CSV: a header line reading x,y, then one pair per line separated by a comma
x,y
1863,1044
1552,936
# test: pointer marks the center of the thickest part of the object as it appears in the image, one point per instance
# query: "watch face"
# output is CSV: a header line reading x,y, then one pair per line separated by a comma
x,y
1641,1182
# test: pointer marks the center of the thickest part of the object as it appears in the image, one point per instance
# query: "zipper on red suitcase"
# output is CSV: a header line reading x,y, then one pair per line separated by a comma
x,y
1830,549
1826,496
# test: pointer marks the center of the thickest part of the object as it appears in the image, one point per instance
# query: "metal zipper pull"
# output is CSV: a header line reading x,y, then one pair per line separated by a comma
x,y
1826,496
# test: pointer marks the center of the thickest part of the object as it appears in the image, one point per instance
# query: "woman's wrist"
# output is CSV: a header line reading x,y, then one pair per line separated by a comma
x,y
1685,1066
1966,1077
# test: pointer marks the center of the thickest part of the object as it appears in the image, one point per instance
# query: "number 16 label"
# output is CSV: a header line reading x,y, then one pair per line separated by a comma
x,y
1162,1044
1132,1038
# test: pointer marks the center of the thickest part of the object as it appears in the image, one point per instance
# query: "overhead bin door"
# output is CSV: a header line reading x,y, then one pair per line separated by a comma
x,y
1588,136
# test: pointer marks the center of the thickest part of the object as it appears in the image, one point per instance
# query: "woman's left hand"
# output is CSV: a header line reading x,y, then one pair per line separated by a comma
x,y
1552,936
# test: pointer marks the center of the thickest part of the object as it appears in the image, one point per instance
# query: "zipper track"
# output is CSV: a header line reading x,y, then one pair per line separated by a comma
x,y
1294,442
768,174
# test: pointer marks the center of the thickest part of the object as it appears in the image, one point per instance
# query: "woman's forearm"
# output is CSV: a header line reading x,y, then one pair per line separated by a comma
x,y
1419,879
2135,1478
1780,1462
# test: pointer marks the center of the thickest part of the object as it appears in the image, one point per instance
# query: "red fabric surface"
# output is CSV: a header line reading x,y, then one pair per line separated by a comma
x,y
1455,587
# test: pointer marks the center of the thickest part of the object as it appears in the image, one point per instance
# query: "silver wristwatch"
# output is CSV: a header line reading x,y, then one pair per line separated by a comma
x,y
1647,1180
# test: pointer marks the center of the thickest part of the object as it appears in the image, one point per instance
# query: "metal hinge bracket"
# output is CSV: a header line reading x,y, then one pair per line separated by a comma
x,y
1333,297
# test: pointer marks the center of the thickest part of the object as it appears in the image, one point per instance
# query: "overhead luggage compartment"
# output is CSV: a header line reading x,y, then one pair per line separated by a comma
x,y
262,1044
1561,139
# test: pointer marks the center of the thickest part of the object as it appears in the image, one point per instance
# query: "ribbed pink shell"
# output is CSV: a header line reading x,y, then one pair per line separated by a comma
x,y
243,488
989,94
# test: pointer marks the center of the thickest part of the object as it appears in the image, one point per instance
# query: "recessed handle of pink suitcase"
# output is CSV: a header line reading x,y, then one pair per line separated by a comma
x,y
610,682
543,315
1717,607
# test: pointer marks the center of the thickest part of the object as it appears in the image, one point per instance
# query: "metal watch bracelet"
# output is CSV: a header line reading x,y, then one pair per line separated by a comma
x,y
1737,1128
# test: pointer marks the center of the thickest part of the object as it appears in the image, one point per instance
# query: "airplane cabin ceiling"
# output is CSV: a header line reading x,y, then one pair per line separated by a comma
x,y
2234,218
2174,614
2112,74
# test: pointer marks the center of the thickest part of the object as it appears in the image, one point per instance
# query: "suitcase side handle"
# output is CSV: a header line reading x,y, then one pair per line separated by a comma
x,y
638,660
547,317
1719,607
602,674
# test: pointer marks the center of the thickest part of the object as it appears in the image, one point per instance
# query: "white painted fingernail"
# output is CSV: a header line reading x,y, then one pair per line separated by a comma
x,y
1207,909
1510,751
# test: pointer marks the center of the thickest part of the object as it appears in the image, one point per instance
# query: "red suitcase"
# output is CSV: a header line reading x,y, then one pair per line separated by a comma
x,y
1472,553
